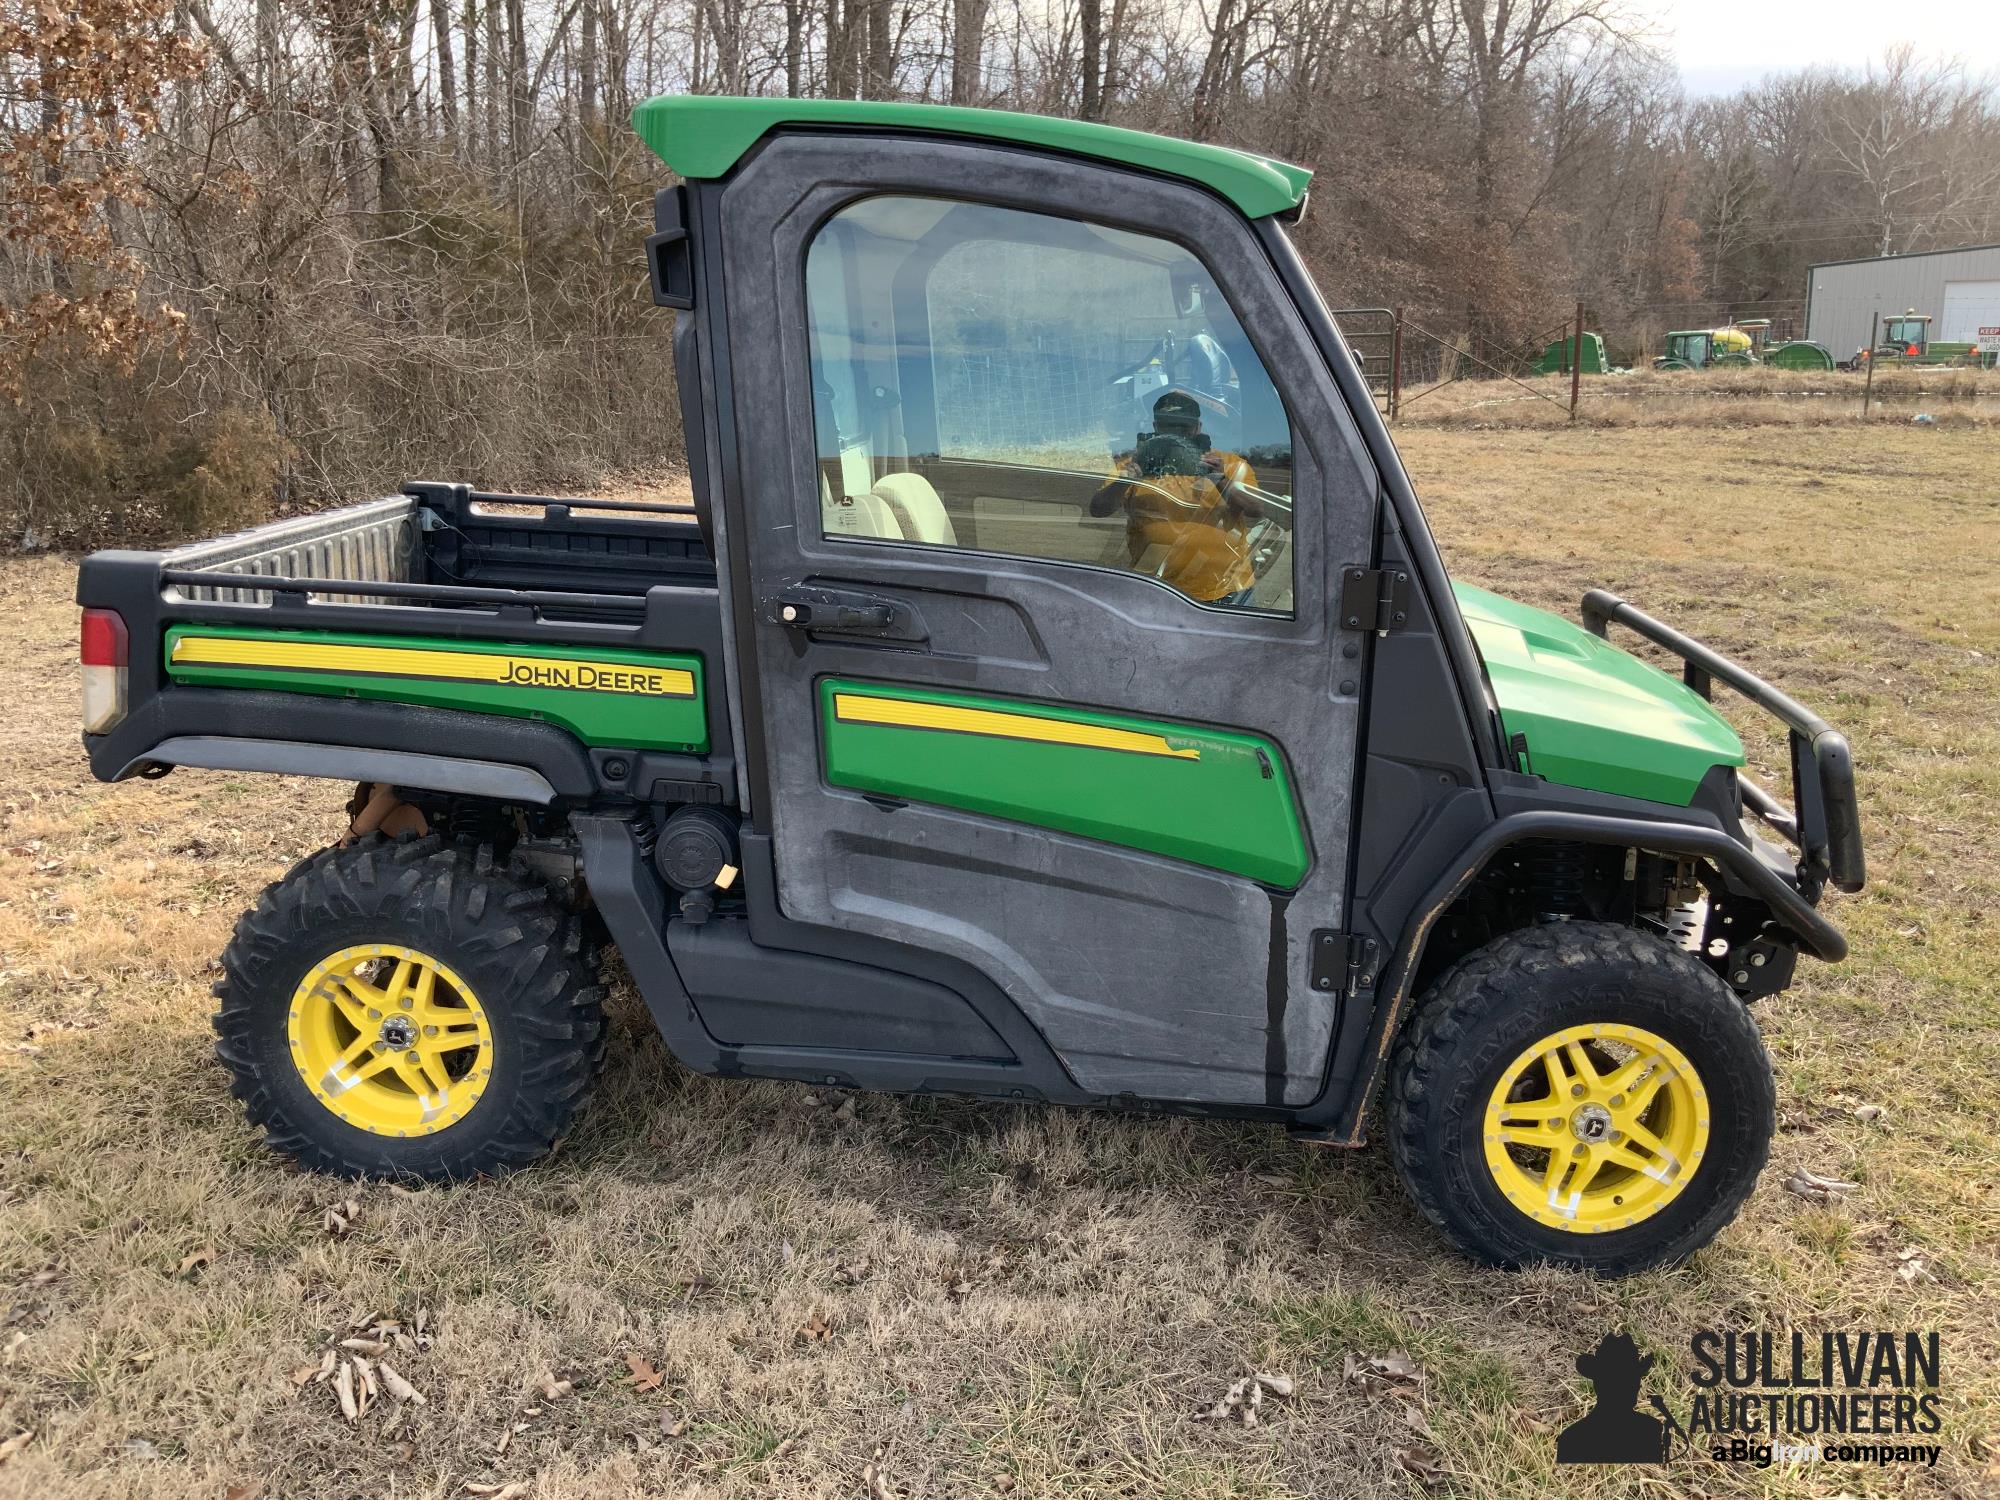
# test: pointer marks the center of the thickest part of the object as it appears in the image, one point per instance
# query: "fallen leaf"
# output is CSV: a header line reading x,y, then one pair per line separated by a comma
x,y
815,1329
343,1387
643,1377
553,1389
874,1479
506,1441
15,1444
192,1263
511,1491
1004,1484
254,1490
1420,1462
1277,1385
141,1448
671,1425
1817,1189
1395,1365
783,1448
12,1347
327,1364
304,1374
364,1346
397,1386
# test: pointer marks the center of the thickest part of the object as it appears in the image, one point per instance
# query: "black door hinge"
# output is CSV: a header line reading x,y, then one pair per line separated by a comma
x,y
1342,963
1375,599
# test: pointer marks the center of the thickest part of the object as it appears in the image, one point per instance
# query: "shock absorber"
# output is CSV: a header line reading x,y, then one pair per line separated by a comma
x,y
1556,877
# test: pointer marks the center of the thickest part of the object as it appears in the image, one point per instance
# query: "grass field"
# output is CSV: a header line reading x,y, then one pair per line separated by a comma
x,y
751,1290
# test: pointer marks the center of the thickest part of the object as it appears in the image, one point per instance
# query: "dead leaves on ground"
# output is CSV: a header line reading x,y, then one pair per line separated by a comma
x,y
875,1477
15,1444
644,1376
355,1369
1244,1400
1397,1379
1814,1188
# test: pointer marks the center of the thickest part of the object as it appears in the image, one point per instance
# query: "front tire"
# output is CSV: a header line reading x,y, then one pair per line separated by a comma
x,y
397,1008
1582,1094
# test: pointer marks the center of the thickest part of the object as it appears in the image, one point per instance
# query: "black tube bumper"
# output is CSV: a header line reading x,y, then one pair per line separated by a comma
x,y
1824,821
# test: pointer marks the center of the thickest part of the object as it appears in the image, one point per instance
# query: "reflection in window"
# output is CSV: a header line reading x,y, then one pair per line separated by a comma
x,y
1018,383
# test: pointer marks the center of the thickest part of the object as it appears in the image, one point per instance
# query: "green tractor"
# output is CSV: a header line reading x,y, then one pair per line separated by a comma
x,y
1708,348
1906,340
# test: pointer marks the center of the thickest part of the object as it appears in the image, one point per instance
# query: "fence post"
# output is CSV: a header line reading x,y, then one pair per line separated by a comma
x,y
1874,338
1395,362
1576,364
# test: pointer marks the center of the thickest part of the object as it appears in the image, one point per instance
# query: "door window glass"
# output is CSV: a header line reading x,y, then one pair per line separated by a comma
x,y
1009,382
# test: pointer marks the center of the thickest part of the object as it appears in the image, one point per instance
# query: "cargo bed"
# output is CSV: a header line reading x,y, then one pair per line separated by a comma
x,y
590,587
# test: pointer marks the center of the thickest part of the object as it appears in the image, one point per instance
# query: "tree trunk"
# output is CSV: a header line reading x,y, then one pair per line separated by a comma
x,y
968,48
795,47
1090,21
494,51
446,72
840,49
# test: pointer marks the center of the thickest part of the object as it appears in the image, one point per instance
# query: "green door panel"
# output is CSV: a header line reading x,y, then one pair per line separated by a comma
x,y
638,700
1594,716
704,135
1215,797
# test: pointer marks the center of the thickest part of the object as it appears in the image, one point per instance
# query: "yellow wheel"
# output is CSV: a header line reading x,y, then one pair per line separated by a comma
x,y
390,1040
1581,1093
1596,1127
397,1008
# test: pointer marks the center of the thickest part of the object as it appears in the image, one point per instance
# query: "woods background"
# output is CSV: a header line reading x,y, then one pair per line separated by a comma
x,y
259,253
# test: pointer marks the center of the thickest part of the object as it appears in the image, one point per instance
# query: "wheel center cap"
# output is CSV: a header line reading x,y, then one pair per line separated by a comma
x,y
398,1033
1591,1123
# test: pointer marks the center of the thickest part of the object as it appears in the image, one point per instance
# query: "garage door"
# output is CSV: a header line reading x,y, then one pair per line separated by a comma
x,y
1968,307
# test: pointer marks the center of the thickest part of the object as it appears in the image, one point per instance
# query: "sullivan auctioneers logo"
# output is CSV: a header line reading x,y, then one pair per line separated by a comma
x,y
1761,1398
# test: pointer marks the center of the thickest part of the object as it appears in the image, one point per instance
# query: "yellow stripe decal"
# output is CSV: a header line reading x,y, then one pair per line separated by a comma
x,y
447,666
903,713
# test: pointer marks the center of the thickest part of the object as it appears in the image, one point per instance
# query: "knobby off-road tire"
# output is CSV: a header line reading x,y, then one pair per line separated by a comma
x,y
508,978
1573,980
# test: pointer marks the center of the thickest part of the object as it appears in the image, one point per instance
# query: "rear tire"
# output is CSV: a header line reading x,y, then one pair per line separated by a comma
x,y
1501,1024
328,982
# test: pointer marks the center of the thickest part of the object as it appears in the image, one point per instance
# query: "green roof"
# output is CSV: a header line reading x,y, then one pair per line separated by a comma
x,y
704,135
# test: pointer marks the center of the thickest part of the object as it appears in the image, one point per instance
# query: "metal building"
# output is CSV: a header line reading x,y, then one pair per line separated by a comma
x,y
1960,289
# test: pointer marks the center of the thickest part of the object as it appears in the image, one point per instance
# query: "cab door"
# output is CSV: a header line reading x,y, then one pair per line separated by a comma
x,y
1036,491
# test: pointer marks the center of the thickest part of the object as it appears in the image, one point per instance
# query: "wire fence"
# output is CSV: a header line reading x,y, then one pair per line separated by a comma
x,y
1566,366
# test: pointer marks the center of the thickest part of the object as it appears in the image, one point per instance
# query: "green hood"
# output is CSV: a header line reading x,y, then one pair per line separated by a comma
x,y
1594,717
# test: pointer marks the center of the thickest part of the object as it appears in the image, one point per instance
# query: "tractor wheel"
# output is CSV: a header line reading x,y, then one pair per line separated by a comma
x,y
397,1008
1584,1094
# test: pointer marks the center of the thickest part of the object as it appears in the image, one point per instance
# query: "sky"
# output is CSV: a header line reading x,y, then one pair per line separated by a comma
x,y
1722,45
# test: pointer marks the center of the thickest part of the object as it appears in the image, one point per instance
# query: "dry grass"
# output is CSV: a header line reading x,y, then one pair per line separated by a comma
x,y
1006,1295
1761,396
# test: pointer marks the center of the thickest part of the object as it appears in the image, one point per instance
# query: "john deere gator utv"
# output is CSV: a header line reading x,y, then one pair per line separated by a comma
x,y
1054,694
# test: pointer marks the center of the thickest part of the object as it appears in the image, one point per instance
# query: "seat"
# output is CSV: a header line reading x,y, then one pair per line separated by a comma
x,y
856,515
919,513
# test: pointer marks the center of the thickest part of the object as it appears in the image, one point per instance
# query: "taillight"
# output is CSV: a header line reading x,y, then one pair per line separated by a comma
x,y
106,652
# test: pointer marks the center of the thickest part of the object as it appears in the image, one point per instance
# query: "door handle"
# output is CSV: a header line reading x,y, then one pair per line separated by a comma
x,y
839,611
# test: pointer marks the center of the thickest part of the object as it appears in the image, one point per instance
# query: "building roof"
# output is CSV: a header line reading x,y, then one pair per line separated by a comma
x,y
704,135
1862,260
